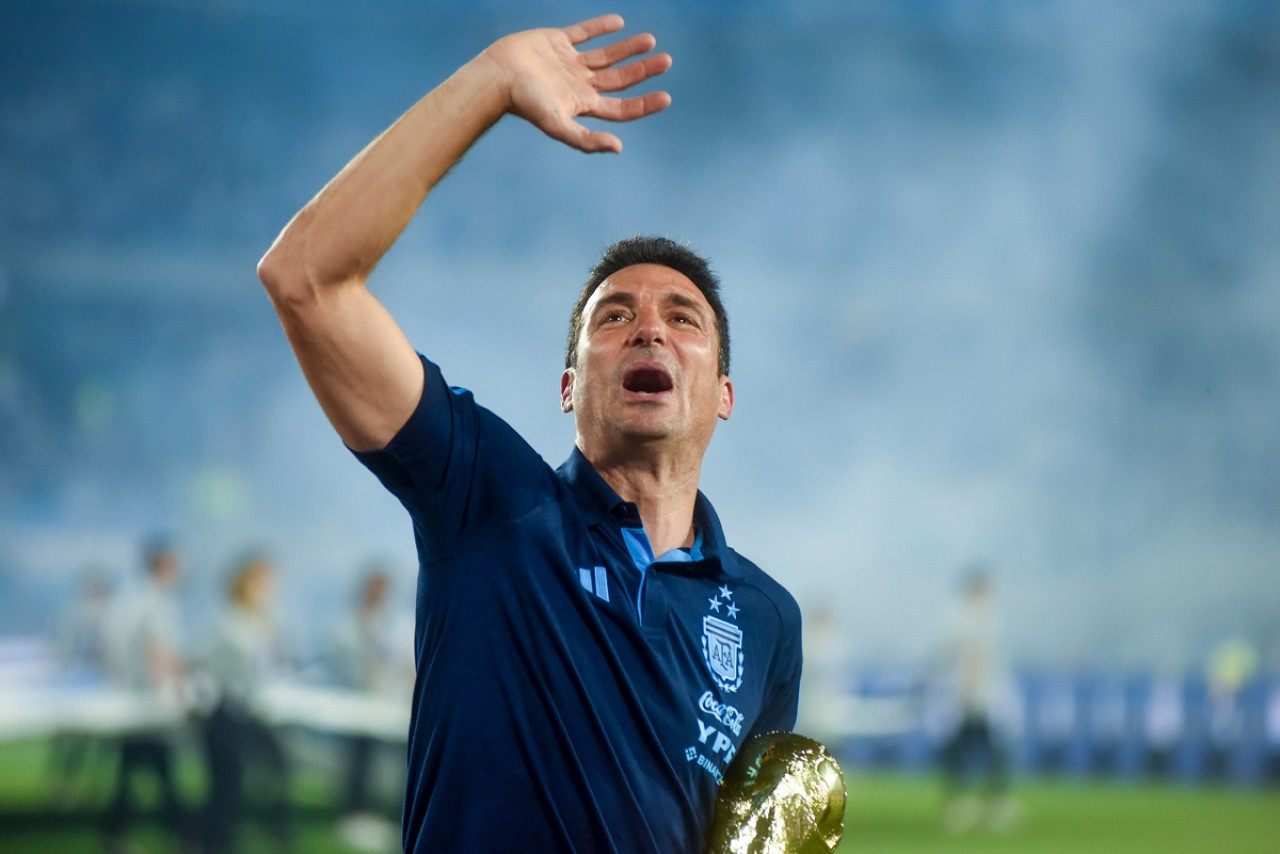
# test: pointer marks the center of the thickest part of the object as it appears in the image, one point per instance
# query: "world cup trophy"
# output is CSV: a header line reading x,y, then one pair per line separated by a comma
x,y
783,794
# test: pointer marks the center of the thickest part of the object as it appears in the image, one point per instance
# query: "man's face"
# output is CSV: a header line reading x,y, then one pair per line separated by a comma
x,y
646,363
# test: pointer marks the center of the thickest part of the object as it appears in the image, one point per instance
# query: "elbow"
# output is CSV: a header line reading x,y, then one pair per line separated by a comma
x,y
285,280
298,282
274,272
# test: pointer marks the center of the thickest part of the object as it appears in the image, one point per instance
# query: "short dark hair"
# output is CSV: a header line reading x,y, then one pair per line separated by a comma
x,y
645,249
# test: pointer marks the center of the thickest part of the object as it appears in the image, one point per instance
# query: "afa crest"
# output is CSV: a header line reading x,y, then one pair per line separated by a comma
x,y
722,648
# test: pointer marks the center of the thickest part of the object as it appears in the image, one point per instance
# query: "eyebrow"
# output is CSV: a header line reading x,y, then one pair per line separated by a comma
x,y
626,298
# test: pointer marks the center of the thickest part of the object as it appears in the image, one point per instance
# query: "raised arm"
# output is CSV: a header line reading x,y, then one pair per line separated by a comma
x,y
359,364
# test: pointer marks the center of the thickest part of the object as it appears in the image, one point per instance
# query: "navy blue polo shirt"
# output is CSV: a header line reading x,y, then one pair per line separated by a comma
x,y
573,694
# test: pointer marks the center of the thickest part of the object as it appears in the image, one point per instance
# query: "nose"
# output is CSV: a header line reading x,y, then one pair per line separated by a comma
x,y
648,327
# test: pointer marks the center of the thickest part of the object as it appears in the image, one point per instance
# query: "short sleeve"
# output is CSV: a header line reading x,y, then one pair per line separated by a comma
x,y
457,468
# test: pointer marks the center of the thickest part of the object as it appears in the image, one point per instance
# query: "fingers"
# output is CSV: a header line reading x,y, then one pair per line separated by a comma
x,y
612,54
584,139
612,109
586,30
599,141
629,109
609,55
626,76
609,75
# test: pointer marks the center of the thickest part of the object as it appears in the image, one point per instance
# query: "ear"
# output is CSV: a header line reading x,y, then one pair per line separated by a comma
x,y
566,390
726,398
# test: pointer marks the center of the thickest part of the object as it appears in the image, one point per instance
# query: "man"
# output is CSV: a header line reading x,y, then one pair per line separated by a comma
x,y
369,654
975,747
243,654
144,655
573,692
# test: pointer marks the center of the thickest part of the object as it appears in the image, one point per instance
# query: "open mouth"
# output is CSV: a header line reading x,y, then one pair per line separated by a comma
x,y
647,379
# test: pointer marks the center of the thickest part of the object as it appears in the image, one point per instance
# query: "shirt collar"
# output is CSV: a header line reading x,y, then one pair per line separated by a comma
x,y
599,502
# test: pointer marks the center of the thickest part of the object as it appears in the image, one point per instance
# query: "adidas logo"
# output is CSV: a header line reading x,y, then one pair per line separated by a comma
x,y
595,580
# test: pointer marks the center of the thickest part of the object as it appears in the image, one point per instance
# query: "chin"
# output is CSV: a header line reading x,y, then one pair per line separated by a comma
x,y
645,431
654,434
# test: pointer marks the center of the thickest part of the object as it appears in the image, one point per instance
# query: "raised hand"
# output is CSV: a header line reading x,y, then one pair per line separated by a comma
x,y
362,368
550,83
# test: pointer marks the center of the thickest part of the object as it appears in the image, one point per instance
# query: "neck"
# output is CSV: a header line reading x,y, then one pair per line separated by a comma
x,y
664,488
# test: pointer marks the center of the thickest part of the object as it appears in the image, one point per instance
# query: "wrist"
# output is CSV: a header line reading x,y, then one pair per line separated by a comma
x,y
492,77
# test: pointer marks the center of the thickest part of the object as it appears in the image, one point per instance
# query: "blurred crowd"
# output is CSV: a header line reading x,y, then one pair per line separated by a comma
x,y
980,720
230,694
153,693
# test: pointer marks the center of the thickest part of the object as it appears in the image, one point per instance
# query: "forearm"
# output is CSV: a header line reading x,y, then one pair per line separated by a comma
x,y
362,368
341,234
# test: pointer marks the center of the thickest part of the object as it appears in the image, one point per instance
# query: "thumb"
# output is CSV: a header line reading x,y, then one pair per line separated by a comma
x,y
601,141
581,137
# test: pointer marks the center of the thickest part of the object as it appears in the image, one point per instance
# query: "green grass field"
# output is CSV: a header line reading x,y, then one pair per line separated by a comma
x,y
895,815
33,820
886,815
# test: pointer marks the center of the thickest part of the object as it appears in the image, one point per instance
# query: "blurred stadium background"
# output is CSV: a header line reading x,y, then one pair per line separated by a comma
x,y
1005,286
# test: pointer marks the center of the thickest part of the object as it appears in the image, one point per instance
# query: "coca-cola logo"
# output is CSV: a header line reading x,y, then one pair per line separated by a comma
x,y
724,713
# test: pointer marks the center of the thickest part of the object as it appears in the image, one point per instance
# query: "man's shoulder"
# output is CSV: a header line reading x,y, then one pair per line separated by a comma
x,y
454,454
788,608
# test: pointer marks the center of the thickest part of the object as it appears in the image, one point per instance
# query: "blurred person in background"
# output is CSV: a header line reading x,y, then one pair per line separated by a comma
x,y
144,645
975,759
244,653
1271,735
1164,721
1230,668
373,655
80,634
826,705
80,644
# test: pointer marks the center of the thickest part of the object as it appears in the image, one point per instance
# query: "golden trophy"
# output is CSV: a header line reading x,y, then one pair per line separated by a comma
x,y
783,794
